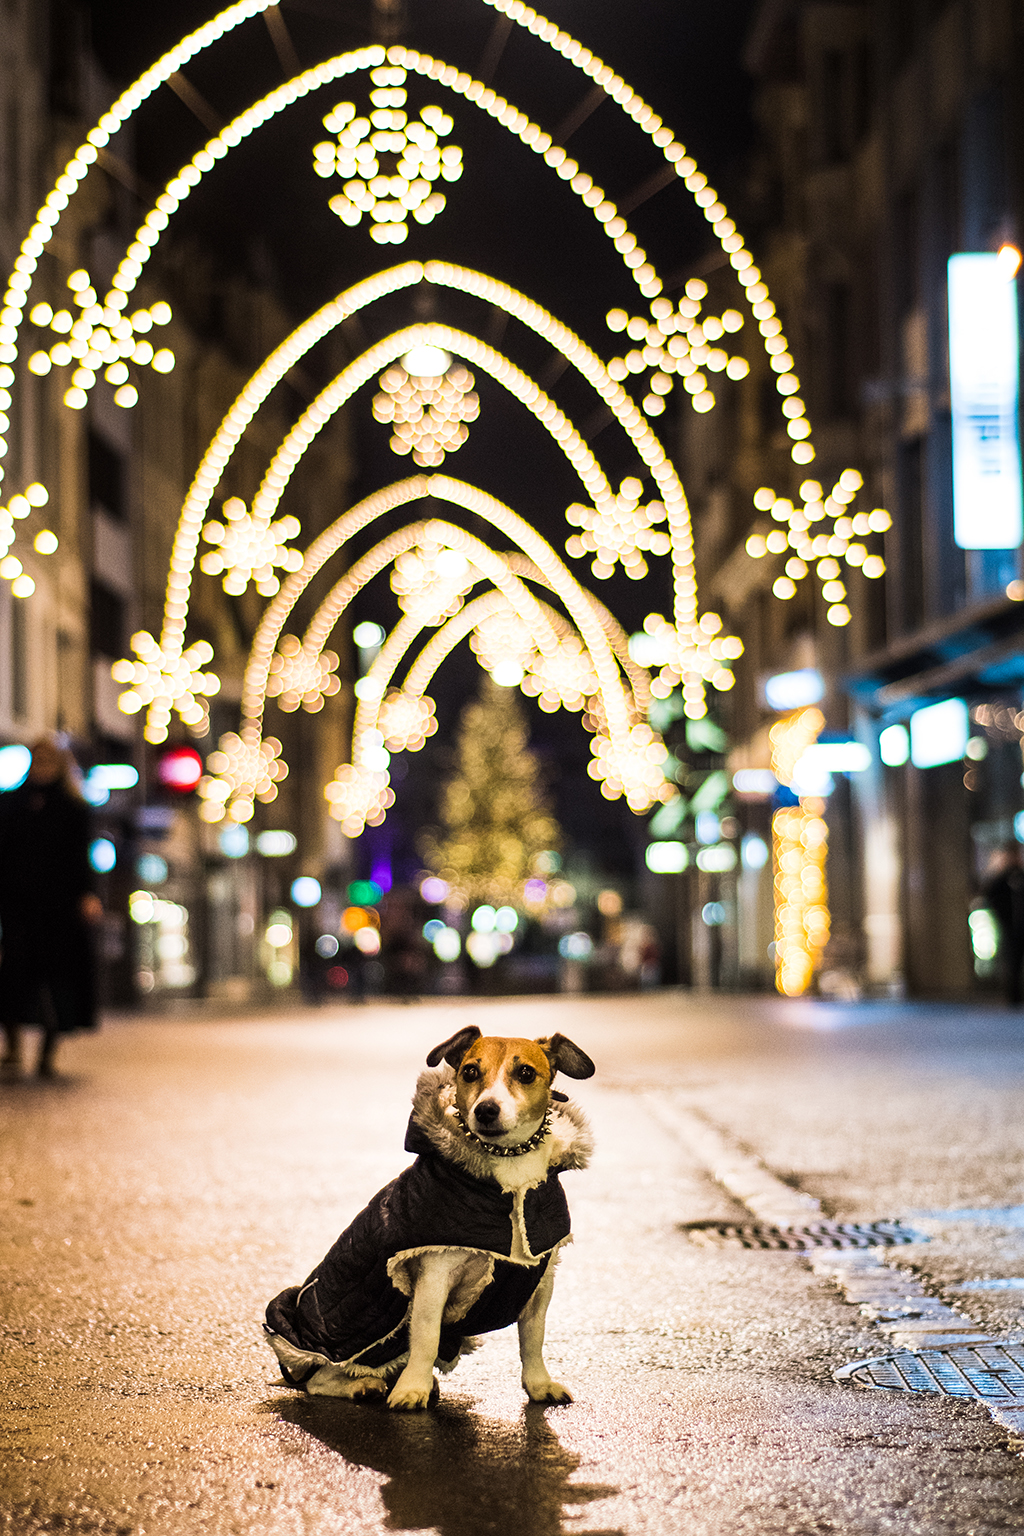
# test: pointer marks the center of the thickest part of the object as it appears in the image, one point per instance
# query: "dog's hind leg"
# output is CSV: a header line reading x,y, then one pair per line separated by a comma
x,y
331,1381
537,1383
435,1275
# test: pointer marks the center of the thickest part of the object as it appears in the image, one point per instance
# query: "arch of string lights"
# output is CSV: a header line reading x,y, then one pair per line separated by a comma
x,y
690,660
501,110
627,760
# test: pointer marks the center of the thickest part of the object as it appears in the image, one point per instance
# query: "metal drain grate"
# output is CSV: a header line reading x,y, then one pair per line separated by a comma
x,y
993,1372
816,1234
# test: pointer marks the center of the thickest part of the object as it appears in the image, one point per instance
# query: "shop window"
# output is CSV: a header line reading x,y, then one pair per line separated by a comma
x,y
106,620
106,477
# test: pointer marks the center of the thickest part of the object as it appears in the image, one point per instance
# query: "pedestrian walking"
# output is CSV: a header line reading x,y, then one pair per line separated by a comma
x,y
1004,892
48,906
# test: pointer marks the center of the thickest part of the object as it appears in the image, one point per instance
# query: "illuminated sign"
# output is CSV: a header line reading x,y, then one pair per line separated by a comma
x,y
984,377
938,733
794,690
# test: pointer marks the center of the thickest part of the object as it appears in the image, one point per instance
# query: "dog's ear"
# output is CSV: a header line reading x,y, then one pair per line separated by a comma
x,y
566,1057
453,1050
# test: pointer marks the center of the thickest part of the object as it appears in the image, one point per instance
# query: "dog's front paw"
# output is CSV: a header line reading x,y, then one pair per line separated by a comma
x,y
408,1394
545,1390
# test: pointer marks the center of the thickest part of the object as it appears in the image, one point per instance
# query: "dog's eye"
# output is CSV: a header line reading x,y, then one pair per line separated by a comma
x,y
526,1074
470,1072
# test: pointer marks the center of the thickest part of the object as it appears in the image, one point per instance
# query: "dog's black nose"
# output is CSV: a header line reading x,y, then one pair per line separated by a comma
x,y
487,1111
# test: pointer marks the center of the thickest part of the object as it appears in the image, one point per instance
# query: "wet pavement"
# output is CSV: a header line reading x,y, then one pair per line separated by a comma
x,y
181,1172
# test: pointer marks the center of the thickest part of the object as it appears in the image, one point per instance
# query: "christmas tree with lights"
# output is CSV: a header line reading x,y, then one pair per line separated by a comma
x,y
495,814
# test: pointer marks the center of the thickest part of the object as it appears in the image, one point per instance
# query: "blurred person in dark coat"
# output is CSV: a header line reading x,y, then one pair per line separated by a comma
x,y
1004,892
48,905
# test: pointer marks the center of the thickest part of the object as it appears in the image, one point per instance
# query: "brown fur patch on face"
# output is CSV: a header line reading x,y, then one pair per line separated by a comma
x,y
493,1062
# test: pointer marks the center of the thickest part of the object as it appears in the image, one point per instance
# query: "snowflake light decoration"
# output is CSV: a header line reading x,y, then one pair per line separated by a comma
x,y
248,548
427,403
618,531
563,680
391,162
431,580
692,657
296,677
406,720
240,771
358,797
502,639
633,768
840,538
676,344
100,336
165,682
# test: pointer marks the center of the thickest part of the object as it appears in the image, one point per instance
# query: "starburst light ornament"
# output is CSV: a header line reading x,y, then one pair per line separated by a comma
x,y
390,161
406,720
431,580
503,640
678,344
691,657
99,337
297,677
618,532
163,682
565,679
427,403
358,797
240,771
633,768
248,548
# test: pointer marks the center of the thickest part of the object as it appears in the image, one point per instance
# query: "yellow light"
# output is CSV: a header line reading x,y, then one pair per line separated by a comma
x,y
45,542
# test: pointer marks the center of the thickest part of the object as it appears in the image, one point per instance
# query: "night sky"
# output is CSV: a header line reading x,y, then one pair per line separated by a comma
x,y
264,212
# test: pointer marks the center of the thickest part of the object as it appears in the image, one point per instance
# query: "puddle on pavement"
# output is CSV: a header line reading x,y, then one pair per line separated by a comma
x,y
452,1471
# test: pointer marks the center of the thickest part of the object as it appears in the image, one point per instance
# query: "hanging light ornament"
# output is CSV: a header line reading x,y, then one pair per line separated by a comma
x,y
100,337
405,720
248,548
618,530
679,343
240,771
503,639
427,403
565,679
431,580
296,677
358,797
389,161
166,682
692,657
634,768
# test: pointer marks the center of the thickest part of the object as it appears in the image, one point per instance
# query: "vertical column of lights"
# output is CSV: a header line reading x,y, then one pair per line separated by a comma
x,y
799,850
840,538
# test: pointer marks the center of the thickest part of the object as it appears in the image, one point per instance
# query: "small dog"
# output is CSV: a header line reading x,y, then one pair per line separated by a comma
x,y
463,1242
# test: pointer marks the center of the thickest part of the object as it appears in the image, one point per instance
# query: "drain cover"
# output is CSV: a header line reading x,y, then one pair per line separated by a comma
x,y
816,1234
993,1372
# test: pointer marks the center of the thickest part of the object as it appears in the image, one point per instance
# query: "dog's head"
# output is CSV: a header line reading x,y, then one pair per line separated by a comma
x,y
503,1086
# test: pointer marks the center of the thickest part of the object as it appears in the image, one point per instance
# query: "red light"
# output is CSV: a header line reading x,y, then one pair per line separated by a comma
x,y
337,977
180,768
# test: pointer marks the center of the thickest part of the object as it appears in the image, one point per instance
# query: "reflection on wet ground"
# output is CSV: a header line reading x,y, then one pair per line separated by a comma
x,y
452,1470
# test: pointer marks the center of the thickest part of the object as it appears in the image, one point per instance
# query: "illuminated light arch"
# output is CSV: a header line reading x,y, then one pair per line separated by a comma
x,y
572,596
407,274
446,75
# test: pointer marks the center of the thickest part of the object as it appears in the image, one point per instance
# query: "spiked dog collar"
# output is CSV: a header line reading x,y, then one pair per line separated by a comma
x,y
517,1150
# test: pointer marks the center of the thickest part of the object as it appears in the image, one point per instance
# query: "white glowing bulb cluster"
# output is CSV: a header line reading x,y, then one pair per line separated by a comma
x,y
428,413
691,659
562,679
503,639
405,720
618,530
100,336
392,162
675,343
249,547
820,531
359,797
45,542
162,683
241,770
633,767
431,580
299,677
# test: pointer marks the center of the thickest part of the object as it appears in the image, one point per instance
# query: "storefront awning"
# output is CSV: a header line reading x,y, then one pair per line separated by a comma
x,y
977,652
